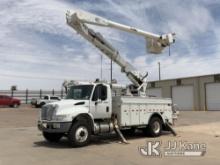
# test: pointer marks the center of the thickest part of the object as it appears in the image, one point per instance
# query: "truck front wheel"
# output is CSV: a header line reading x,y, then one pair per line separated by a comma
x,y
154,127
79,134
52,137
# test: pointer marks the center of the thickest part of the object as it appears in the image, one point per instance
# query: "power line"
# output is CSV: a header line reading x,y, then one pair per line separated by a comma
x,y
190,62
30,77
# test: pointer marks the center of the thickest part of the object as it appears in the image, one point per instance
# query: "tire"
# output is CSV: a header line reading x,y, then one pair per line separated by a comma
x,y
52,137
37,106
154,128
15,105
79,134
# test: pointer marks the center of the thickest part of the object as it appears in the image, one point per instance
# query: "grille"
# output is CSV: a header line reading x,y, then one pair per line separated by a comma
x,y
47,112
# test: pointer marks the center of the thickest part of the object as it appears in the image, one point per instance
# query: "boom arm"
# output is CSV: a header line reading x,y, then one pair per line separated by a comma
x,y
78,20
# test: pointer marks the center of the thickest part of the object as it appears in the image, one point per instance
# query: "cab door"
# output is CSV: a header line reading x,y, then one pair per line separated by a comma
x,y
100,103
7,100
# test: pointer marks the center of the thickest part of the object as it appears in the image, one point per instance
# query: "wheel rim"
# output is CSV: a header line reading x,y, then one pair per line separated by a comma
x,y
15,105
156,127
81,134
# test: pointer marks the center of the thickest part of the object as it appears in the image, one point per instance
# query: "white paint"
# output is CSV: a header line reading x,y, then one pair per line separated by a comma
x,y
213,96
133,111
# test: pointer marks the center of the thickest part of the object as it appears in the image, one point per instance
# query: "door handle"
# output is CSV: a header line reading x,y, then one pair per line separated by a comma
x,y
107,109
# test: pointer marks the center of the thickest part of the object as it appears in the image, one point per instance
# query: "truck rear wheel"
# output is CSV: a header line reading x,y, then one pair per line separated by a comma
x,y
154,127
52,137
79,134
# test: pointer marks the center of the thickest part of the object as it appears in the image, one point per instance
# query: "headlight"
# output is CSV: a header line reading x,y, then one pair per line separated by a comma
x,y
60,117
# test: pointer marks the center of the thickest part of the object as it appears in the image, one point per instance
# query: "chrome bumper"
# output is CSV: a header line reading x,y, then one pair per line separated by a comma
x,y
54,127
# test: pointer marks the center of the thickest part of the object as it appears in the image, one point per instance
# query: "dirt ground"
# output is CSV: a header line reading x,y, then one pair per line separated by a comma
x,y
22,143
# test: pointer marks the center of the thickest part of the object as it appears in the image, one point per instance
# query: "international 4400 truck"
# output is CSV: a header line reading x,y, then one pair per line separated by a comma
x,y
91,108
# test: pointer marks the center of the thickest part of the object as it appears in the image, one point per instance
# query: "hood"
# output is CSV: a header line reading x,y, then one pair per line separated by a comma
x,y
71,105
70,102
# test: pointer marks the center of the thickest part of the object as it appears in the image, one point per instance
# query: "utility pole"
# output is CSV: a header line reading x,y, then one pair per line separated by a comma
x,y
159,71
111,71
101,69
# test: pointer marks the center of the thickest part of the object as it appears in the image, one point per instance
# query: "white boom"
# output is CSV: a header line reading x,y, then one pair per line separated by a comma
x,y
155,43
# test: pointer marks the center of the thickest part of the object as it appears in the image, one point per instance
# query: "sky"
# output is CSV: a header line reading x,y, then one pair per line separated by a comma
x,y
39,51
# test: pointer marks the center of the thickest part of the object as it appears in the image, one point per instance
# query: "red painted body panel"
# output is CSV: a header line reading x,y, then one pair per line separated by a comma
x,y
8,101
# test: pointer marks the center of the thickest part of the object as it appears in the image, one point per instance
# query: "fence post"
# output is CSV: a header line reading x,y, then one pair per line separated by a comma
x,y
40,93
53,92
61,93
12,93
26,97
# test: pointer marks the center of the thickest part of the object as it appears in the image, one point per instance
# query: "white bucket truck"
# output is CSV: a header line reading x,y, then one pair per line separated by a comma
x,y
91,108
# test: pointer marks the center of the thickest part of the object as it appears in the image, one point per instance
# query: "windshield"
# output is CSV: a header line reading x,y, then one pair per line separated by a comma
x,y
80,92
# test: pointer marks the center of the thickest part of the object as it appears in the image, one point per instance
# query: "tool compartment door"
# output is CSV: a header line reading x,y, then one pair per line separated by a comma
x,y
134,111
143,114
125,115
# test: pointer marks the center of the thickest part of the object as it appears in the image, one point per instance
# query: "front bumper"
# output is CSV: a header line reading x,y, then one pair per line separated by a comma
x,y
54,127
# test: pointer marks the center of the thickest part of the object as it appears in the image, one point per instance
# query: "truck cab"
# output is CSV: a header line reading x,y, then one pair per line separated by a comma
x,y
96,96
83,103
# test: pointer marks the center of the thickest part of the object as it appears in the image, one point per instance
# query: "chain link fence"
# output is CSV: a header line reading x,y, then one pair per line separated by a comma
x,y
26,95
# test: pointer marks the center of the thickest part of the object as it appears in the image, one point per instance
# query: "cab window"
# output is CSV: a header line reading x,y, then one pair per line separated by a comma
x,y
54,98
46,98
100,93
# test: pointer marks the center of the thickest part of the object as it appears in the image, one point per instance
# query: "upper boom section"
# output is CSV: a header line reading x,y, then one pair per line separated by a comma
x,y
78,21
104,46
100,21
155,43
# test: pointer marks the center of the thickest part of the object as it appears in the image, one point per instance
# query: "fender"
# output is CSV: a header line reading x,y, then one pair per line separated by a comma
x,y
157,114
87,116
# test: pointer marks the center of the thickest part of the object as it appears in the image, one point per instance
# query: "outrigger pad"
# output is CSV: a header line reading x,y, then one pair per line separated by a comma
x,y
171,129
117,130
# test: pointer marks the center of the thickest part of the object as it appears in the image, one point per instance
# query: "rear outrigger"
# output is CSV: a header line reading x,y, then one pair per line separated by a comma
x,y
91,108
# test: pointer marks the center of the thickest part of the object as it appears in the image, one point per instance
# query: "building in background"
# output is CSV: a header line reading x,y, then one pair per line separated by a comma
x,y
191,93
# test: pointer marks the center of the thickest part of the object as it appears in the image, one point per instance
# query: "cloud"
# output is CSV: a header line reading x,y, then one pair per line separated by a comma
x,y
38,46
